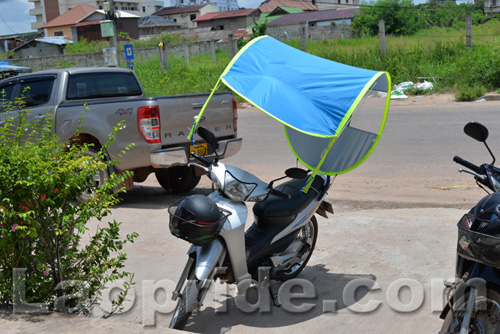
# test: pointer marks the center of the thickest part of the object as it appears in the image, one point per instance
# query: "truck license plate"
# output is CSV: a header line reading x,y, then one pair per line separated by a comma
x,y
200,149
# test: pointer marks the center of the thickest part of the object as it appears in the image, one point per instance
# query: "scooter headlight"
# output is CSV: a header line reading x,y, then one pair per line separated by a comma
x,y
237,190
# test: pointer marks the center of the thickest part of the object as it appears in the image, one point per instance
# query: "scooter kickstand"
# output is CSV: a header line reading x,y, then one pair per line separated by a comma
x,y
273,291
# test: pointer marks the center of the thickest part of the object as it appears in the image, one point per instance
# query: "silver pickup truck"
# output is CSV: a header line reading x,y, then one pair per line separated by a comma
x,y
158,126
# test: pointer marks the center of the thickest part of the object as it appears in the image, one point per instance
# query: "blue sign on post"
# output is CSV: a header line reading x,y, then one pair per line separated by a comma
x,y
129,52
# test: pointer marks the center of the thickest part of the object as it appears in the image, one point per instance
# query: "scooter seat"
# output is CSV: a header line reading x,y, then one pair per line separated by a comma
x,y
276,212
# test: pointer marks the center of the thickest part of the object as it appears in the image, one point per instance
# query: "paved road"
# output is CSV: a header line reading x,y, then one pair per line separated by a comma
x,y
392,235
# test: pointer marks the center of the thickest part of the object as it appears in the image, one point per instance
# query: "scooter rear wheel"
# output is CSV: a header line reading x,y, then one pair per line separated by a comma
x,y
308,236
485,315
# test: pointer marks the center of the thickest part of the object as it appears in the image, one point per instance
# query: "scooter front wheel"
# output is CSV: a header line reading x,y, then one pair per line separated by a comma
x,y
485,316
188,303
308,236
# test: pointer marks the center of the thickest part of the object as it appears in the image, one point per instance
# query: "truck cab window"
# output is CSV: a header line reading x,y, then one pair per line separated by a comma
x,y
100,85
35,93
6,95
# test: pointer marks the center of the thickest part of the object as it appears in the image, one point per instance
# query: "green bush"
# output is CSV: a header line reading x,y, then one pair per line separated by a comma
x,y
41,225
467,93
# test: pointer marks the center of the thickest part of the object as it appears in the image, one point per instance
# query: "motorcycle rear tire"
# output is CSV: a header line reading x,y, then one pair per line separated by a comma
x,y
309,234
480,322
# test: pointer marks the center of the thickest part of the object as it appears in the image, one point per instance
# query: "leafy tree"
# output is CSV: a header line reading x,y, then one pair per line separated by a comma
x,y
402,17
258,29
449,14
397,14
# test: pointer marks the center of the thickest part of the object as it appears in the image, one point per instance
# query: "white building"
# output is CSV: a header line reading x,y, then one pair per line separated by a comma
x,y
46,10
222,5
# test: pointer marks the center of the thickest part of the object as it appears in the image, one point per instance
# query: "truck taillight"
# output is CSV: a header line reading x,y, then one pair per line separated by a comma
x,y
148,121
235,116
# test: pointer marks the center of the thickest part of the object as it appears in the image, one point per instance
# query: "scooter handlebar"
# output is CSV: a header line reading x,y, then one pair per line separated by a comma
x,y
204,161
466,164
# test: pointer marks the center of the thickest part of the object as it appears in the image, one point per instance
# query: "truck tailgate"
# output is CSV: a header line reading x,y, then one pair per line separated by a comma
x,y
177,115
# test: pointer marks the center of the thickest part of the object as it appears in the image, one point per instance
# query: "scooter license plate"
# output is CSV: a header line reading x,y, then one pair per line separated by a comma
x,y
200,149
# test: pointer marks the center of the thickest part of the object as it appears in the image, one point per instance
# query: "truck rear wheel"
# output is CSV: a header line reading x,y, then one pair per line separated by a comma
x,y
177,179
97,180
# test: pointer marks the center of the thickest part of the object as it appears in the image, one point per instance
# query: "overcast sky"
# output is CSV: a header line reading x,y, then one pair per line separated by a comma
x,y
15,18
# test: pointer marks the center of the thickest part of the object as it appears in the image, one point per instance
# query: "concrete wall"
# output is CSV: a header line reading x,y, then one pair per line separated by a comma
x,y
42,50
318,33
96,59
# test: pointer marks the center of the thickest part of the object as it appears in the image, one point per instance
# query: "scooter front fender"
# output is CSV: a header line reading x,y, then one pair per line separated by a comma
x,y
208,257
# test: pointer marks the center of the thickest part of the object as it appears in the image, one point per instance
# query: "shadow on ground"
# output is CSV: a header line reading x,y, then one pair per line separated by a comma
x,y
220,315
151,197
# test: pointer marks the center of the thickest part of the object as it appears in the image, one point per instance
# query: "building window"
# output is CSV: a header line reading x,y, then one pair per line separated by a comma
x,y
59,33
192,17
144,8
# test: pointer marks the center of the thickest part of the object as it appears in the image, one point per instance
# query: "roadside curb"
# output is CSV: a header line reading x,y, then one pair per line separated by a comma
x,y
493,97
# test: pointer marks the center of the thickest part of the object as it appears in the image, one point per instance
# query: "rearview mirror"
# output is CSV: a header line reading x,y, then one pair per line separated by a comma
x,y
207,135
296,173
477,131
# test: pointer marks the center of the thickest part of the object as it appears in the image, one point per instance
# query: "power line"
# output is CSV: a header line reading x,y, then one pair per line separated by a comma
x,y
423,6
6,23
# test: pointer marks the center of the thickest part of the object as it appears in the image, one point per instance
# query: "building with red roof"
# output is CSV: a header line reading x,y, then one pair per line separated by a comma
x,y
270,5
185,16
229,20
84,21
318,18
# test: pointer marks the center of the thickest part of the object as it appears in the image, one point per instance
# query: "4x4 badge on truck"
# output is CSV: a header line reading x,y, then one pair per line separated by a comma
x,y
124,111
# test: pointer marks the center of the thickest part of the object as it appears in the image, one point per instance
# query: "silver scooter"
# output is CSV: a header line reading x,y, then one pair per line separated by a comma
x,y
282,237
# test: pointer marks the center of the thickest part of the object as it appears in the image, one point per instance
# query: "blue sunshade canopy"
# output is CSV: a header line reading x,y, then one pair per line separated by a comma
x,y
314,98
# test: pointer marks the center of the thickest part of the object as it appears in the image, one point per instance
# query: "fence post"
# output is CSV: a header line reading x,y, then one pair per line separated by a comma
x,y
165,56
468,30
230,40
160,55
186,53
381,36
212,51
303,44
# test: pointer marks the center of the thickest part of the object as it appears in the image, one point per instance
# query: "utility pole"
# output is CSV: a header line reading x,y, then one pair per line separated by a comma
x,y
468,30
110,15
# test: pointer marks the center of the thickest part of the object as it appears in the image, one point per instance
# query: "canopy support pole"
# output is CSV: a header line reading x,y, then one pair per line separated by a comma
x,y
195,124
306,187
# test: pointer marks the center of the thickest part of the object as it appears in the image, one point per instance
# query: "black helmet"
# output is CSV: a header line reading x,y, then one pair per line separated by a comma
x,y
196,219
487,215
